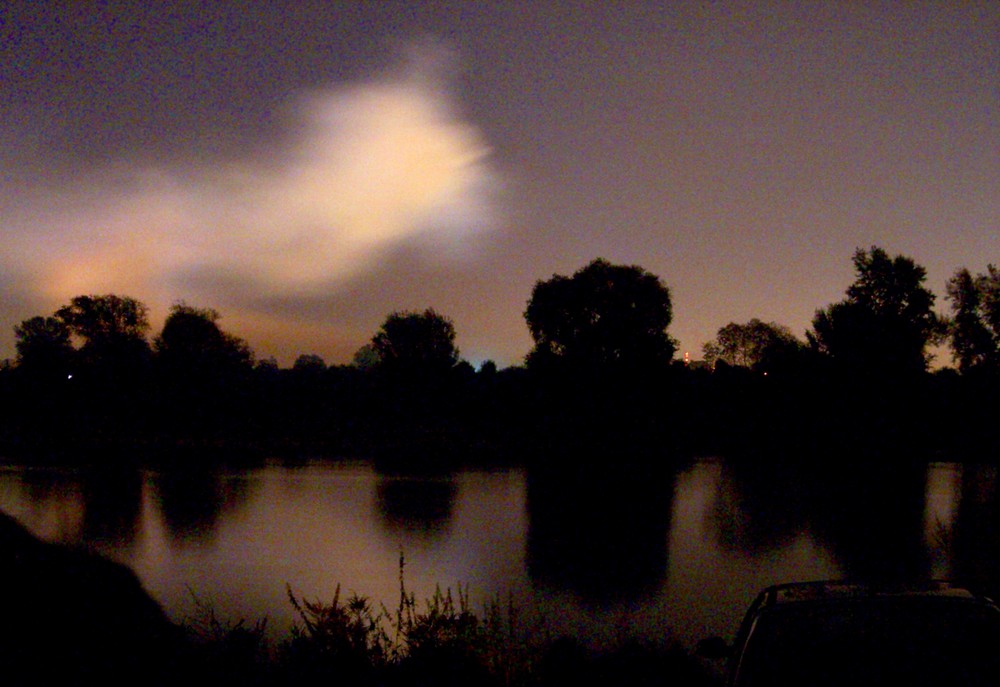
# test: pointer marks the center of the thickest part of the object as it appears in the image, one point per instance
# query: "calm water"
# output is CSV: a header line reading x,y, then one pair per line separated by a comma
x,y
678,553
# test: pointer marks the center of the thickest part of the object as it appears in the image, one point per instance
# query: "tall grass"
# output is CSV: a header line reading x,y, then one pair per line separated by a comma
x,y
441,641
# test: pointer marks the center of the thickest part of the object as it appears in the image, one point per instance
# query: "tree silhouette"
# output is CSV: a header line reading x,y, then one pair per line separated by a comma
x,y
365,358
309,363
42,381
415,341
113,329
603,316
754,344
102,320
111,377
886,322
44,347
412,368
203,372
975,324
192,344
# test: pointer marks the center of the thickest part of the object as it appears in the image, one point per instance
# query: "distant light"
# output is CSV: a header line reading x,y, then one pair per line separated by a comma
x,y
69,376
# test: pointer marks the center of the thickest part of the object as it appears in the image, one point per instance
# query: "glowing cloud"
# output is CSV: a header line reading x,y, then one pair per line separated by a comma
x,y
365,168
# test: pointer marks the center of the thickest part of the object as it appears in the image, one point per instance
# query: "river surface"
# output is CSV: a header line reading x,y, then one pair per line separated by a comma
x,y
671,553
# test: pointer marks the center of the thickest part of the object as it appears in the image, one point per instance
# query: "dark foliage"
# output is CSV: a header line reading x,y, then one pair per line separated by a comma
x,y
113,330
975,324
886,322
599,380
203,375
44,349
603,317
763,346
415,343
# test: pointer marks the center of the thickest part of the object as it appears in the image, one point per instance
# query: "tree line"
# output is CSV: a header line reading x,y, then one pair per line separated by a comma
x,y
600,377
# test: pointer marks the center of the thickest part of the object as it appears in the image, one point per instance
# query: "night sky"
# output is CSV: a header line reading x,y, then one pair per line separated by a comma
x,y
307,168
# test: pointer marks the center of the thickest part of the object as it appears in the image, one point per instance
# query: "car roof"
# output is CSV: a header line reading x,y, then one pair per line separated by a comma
x,y
826,591
806,630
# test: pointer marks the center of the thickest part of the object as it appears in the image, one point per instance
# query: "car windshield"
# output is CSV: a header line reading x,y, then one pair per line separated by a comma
x,y
919,641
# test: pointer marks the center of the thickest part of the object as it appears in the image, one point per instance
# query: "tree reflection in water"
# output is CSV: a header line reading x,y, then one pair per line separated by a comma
x,y
599,532
976,535
594,537
759,508
112,506
873,519
99,506
419,507
870,516
193,502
